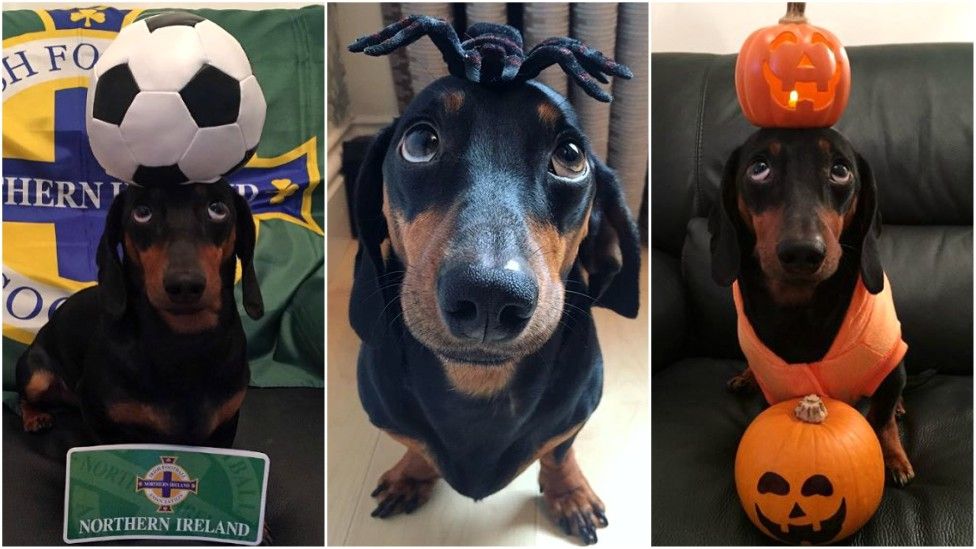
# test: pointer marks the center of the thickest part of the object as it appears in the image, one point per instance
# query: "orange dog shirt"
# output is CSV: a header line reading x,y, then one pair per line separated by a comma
x,y
867,348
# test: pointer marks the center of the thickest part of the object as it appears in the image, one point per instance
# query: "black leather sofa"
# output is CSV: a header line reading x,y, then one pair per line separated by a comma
x,y
910,115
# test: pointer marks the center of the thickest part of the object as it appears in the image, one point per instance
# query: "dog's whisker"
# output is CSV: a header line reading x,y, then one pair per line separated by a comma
x,y
381,289
390,273
381,314
587,296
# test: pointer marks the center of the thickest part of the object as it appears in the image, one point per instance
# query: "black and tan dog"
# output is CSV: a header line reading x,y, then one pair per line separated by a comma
x,y
797,230
155,352
480,354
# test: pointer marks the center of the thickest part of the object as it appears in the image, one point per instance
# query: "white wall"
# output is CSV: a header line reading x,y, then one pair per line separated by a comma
x,y
721,28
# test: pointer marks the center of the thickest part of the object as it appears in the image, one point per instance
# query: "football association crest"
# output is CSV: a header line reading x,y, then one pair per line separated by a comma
x,y
167,484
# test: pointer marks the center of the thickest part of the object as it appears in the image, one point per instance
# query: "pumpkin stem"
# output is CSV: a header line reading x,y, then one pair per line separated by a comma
x,y
794,13
811,409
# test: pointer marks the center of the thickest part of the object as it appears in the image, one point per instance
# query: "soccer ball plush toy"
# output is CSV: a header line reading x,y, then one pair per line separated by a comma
x,y
173,100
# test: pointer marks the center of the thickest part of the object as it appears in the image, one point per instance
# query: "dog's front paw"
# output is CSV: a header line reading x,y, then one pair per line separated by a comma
x,y
405,487
895,458
901,469
38,423
900,408
743,383
578,512
401,495
572,503
34,420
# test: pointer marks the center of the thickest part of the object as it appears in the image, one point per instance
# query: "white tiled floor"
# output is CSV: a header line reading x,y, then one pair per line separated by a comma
x,y
613,450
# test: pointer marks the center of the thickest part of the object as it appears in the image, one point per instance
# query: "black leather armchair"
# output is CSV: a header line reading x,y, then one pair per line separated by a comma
x,y
910,115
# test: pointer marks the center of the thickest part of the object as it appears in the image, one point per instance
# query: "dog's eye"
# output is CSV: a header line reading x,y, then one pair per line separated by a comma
x,y
568,160
141,214
419,144
217,210
840,173
758,171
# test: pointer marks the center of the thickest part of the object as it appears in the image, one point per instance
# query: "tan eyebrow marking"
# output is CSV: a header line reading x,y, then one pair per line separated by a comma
x,y
548,113
453,101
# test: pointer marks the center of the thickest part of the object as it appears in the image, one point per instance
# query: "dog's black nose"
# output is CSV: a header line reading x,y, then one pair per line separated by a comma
x,y
802,256
184,287
488,304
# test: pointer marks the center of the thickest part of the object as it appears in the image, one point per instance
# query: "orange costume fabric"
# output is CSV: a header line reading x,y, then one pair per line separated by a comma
x,y
867,348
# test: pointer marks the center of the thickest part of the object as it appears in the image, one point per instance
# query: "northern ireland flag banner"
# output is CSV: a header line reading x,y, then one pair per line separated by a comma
x,y
55,195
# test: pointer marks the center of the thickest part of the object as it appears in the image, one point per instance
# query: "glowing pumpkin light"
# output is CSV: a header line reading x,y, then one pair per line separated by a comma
x,y
792,75
809,471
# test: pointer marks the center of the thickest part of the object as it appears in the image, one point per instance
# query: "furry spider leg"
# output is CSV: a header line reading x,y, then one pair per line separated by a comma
x,y
592,59
410,29
545,56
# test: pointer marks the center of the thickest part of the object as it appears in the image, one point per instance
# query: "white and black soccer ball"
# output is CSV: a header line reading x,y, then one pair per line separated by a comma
x,y
173,100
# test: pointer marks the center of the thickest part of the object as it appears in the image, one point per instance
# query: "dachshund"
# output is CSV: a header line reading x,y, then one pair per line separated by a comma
x,y
155,352
479,349
796,235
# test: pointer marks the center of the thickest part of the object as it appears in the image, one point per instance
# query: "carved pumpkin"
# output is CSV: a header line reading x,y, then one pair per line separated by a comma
x,y
792,75
809,471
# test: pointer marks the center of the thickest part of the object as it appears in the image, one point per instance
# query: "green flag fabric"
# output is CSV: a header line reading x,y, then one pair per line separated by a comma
x,y
56,196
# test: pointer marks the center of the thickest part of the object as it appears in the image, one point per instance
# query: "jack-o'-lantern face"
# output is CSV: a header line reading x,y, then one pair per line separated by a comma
x,y
809,483
806,513
802,71
792,75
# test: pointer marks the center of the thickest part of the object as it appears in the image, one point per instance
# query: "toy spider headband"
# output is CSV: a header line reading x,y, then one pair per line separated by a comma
x,y
494,55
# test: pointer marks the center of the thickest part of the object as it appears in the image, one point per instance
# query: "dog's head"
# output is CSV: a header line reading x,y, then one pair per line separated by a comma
x,y
179,247
795,201
489,196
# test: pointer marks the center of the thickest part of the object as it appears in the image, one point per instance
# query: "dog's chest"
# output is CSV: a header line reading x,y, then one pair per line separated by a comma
x,y
480,444
146,400
184,421
485,444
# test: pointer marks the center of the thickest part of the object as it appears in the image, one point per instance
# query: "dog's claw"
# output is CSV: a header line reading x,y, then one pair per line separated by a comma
x,y
744,382
392,507
564,524
379,490
901,470
900,408
411,505
601,517
902,478
387,507
405,487
38,423
584,527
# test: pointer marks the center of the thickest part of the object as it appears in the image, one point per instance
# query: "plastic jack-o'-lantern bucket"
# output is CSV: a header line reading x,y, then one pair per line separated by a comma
x,y
809,471
792,75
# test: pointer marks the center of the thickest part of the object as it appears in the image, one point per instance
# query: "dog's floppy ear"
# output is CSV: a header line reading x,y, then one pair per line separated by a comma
x,y
244,250
112,288
868,228
368,303
610,253
724,245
